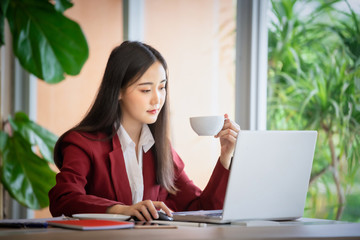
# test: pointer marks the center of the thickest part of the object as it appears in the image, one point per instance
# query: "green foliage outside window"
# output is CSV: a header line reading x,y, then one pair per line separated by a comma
x,y
314,83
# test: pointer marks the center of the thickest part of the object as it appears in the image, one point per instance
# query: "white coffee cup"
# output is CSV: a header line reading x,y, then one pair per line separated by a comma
x,y
207,125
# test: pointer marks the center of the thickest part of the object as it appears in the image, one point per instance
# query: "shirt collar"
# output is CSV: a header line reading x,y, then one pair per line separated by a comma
x,y
146,138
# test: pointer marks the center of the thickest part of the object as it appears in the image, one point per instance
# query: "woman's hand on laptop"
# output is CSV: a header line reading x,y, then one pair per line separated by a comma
x,y
144,211
228,136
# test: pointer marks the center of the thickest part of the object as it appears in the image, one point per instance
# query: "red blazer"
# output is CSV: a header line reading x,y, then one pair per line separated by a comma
x,y
93,177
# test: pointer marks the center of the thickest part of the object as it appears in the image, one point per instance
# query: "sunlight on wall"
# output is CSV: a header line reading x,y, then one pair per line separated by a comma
x,y
199,49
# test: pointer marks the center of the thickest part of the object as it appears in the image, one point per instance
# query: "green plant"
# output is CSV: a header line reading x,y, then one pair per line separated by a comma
x,y
314,83
48,45
25,174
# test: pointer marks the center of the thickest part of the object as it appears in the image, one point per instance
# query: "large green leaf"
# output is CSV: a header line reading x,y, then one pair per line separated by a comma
x,y
24,175
35,135
46,43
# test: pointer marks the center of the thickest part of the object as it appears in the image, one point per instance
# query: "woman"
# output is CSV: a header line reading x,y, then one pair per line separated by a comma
x,y
118,159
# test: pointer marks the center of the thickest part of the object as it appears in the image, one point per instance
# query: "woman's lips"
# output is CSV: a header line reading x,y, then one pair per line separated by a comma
x,y
154,111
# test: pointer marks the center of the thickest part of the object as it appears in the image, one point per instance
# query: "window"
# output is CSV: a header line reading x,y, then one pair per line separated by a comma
x,y
314,84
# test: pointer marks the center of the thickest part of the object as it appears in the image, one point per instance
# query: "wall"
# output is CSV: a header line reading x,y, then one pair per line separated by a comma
x,y
63,105
197,38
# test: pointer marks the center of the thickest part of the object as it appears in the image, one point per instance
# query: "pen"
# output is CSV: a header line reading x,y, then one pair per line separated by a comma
x,y
36,225
179,223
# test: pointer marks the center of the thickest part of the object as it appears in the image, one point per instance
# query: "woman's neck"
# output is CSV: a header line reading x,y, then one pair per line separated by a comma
x,y
133,130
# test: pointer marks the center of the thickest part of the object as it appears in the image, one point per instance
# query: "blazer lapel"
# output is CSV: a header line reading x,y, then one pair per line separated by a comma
x,y
118,173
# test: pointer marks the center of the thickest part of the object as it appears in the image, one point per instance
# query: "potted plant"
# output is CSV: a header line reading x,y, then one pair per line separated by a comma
x,y
48,45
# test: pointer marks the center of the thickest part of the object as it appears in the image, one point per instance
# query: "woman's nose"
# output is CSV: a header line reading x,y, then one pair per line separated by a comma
x,y
155,99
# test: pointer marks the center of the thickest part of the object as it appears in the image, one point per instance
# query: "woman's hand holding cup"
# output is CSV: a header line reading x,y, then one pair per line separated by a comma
x,y
227,135
223,128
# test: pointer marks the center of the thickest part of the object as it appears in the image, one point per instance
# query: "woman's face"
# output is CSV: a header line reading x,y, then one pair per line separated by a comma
x,y
142,101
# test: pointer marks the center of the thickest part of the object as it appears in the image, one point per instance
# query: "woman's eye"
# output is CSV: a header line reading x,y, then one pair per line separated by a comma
x,y
145,91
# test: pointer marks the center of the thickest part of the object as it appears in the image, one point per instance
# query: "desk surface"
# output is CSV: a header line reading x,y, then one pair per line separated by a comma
x,y
223,232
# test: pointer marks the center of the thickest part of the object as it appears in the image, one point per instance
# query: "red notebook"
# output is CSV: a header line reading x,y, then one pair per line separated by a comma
x,y
91,224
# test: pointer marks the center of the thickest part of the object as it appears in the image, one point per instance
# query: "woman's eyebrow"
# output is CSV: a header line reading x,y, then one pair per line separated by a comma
x,y
151,83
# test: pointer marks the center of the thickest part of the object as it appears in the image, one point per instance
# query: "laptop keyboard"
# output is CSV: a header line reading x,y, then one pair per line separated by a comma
x,y
201,213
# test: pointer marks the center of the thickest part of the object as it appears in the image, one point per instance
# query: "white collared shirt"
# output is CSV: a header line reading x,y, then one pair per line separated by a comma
x,y
132,164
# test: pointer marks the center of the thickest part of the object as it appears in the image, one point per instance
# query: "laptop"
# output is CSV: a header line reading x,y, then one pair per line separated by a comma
x,y
268,180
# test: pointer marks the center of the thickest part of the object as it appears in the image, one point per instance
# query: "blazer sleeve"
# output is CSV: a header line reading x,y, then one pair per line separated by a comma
x,y
69,195
190,197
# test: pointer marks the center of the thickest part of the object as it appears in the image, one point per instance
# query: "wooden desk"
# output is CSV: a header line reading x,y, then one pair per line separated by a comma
x,y
222,232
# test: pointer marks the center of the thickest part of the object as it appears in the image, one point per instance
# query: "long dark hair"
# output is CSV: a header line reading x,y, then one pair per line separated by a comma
x,y
126,64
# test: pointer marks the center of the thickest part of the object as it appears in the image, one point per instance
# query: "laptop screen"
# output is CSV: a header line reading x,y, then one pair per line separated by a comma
x,y
269,175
